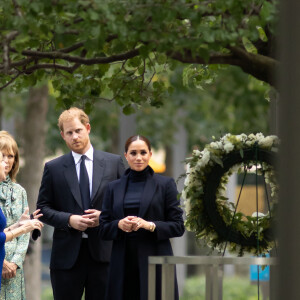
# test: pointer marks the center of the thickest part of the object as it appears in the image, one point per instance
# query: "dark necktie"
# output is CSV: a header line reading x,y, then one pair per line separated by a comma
x,y
84,184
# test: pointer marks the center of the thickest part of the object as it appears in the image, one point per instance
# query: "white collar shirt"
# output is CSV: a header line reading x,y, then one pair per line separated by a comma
x,y
88,164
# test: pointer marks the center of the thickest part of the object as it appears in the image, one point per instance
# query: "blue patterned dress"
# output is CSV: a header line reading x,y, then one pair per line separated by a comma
x,y
2,241
13,201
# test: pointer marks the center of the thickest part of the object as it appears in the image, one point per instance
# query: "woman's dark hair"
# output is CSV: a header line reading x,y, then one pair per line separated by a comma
x,y
137,138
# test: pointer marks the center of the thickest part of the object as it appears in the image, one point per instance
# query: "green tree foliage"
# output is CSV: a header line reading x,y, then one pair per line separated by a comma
x,y
230,102
112,49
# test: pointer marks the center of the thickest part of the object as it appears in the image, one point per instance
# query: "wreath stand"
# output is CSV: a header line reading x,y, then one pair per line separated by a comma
x,y
253,154
214,264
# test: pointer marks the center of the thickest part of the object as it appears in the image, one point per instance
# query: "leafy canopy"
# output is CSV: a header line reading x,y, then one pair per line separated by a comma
x,y
121,50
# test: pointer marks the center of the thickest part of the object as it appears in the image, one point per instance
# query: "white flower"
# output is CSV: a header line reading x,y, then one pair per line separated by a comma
x,y
216,145
235,168
241,137
266,142
213,145
188,168
199,165
187,207
260,214
259,136
205,157
196,152
187,180
274,137
228,147
183,195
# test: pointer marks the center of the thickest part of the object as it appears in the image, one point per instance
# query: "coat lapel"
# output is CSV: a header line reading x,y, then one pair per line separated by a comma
x,y
72,179
119,194
148,193
98,171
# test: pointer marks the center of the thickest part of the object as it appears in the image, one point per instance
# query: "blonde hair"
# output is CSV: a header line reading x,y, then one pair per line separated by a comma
x,y
71,114
8,143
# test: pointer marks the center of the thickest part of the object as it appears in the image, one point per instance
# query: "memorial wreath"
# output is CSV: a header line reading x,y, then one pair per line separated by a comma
x,y
210,214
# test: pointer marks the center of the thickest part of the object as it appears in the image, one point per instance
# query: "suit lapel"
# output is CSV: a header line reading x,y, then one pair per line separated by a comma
x,y
148,193
72,179
98,171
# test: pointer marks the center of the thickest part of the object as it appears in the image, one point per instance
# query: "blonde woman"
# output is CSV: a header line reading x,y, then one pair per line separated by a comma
x,y
14,231
13,202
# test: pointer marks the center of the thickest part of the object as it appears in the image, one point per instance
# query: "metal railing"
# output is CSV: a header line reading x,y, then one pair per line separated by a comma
x,y
214,272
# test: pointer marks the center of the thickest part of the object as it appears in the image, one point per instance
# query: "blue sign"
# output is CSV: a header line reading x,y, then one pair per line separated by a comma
x,y
264,272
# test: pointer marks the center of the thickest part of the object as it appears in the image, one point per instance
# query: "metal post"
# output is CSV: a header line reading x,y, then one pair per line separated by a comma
x,y
180,147
168,276
151,281
220,281
215,282
208,282
217,288
289,128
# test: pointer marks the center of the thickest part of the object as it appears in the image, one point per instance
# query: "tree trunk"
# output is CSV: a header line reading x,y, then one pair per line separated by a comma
x,y
169,161
33,132
1,112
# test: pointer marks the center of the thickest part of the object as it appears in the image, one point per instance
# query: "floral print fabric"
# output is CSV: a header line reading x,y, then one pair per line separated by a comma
x,y
13,201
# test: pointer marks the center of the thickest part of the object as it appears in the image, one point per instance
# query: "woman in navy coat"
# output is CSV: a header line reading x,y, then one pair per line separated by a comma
x,y
140,214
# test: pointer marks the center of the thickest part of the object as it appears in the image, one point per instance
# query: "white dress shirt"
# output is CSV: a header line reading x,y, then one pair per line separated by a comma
x,y
89,167
88,164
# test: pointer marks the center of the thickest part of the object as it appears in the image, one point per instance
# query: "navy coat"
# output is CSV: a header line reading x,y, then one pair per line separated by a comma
x,y
158,204
59,197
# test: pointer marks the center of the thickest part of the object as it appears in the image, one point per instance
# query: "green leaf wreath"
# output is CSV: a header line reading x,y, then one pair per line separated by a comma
x,y
200,165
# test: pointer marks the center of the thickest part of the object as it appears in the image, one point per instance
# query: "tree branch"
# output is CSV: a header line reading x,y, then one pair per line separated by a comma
x,y
260,66
50,66
21,63
71,48
11,81
11,35
17,8
6,59
187,57
77,59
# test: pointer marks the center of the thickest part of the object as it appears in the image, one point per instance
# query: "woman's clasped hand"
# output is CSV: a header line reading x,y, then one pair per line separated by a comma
x,y
133,223
29,225
26,216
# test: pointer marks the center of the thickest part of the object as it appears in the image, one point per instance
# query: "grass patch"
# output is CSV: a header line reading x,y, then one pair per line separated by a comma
x,y
237,288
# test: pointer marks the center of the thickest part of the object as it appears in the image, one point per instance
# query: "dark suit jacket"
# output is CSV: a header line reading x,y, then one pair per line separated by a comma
x,y
158,204
59,197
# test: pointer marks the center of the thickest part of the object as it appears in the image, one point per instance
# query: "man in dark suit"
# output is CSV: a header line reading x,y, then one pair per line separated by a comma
x,y
70,199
